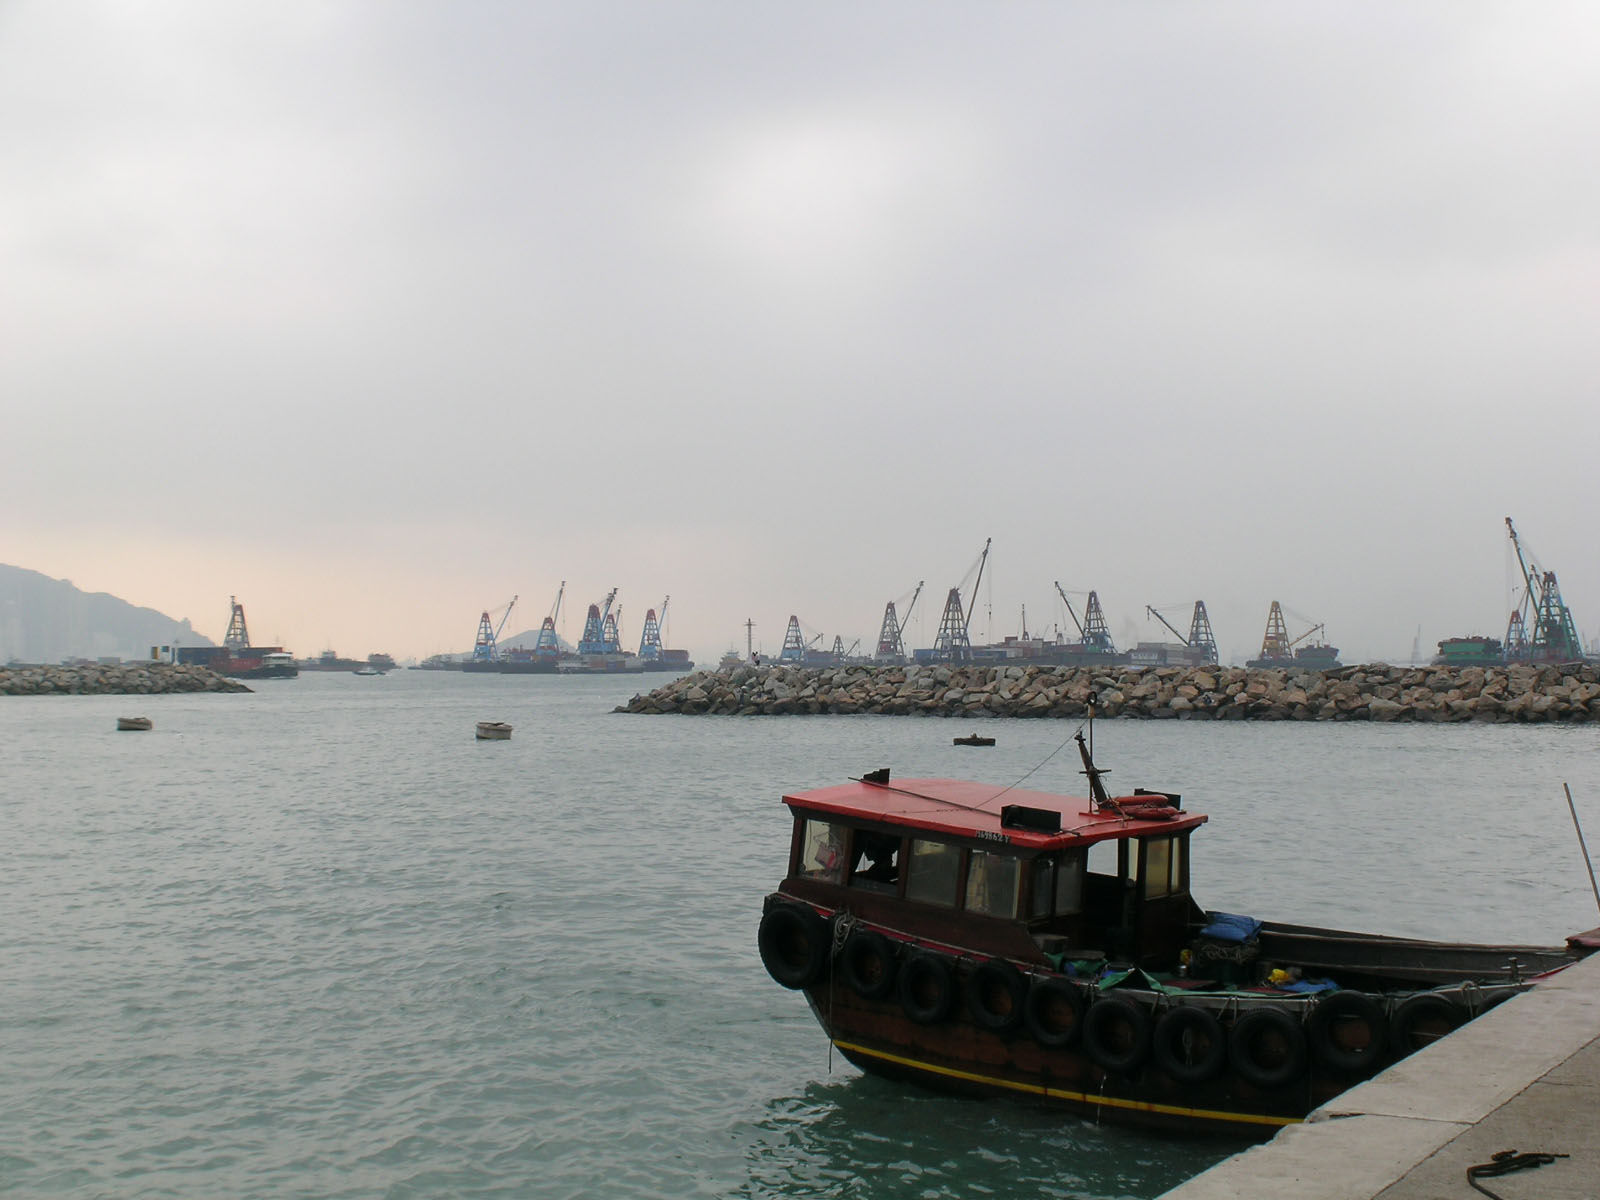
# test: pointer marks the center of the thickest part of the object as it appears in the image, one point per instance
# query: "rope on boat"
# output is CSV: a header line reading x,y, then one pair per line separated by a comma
x,y
1504,1163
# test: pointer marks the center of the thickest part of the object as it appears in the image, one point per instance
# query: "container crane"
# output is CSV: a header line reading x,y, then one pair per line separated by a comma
x,y
485,648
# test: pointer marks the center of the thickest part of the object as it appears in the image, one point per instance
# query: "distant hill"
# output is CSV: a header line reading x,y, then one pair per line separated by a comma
x,y
44,620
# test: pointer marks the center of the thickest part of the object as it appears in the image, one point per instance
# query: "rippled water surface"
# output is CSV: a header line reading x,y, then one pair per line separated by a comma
x,y
319,941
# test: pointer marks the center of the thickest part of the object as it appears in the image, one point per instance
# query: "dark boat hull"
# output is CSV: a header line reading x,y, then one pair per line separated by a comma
x,y
978,1046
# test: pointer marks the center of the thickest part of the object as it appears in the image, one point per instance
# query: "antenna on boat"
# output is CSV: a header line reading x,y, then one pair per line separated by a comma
x,y
1097,790
1573,809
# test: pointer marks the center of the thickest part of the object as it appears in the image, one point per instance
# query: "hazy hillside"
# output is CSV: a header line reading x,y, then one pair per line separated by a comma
x,y
47,620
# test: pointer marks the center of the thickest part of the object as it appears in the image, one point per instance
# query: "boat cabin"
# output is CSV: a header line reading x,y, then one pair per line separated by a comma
x,y
1016,873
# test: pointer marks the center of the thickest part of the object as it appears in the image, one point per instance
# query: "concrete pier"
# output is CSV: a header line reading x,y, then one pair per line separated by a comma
x,y
1524,1076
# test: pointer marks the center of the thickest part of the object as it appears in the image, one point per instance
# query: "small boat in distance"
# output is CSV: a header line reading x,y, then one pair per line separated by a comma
x,y
973,739
955,935
135,723
368,671
493,731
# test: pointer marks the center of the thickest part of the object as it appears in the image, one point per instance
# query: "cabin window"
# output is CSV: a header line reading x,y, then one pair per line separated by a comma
x,y
1057,884
1103,859
933,873
877,862
822,854
1162,866
992,881
1157,866
1069,882
1043,887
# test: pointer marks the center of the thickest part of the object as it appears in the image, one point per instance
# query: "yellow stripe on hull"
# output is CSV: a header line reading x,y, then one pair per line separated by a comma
x,y
1060,1094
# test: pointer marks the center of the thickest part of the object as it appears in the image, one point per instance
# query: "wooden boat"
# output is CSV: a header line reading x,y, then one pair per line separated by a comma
x,y
493,731
957,935
973,739
135,723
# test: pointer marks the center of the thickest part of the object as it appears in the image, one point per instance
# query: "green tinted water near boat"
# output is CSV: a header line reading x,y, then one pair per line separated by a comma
x,y
320,940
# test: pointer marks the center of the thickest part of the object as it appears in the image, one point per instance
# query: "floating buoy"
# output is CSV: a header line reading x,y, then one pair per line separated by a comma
x,y
135,723
493,731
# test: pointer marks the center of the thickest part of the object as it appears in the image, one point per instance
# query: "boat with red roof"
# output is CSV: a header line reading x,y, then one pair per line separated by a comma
x,y
987,940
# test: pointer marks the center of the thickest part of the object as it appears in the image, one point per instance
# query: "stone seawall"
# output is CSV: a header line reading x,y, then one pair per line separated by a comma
x,y
129,679
1376,692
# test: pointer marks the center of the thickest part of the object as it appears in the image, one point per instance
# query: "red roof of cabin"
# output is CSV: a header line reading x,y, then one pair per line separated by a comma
x,y
966,809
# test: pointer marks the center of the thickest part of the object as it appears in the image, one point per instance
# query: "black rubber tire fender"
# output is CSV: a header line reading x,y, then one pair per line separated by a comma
x,y
1177,1035
1116,1034
1405,1027
1049,998
795,941
867,964
995,994
1245,1045
1341,1009
927,988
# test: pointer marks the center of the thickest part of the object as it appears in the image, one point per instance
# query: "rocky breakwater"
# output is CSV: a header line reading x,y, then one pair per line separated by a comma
x,y
128,679
1376,692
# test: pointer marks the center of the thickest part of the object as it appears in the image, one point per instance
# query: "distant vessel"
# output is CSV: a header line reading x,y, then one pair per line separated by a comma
x,y
237,658
1470,652
330,661
135,723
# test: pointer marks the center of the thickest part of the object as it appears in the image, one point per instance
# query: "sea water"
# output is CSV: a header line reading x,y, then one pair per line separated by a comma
x,y
320,941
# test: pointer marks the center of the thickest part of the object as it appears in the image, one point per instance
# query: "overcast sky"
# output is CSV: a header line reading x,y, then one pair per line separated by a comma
x,y
378,314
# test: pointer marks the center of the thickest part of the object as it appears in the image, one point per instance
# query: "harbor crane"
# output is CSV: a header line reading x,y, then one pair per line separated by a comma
x,y
953,643
548,643
594,640
891,643
1277,643
1554,636
795,646
1093,632
486,648
1200,641
650,640
237,637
